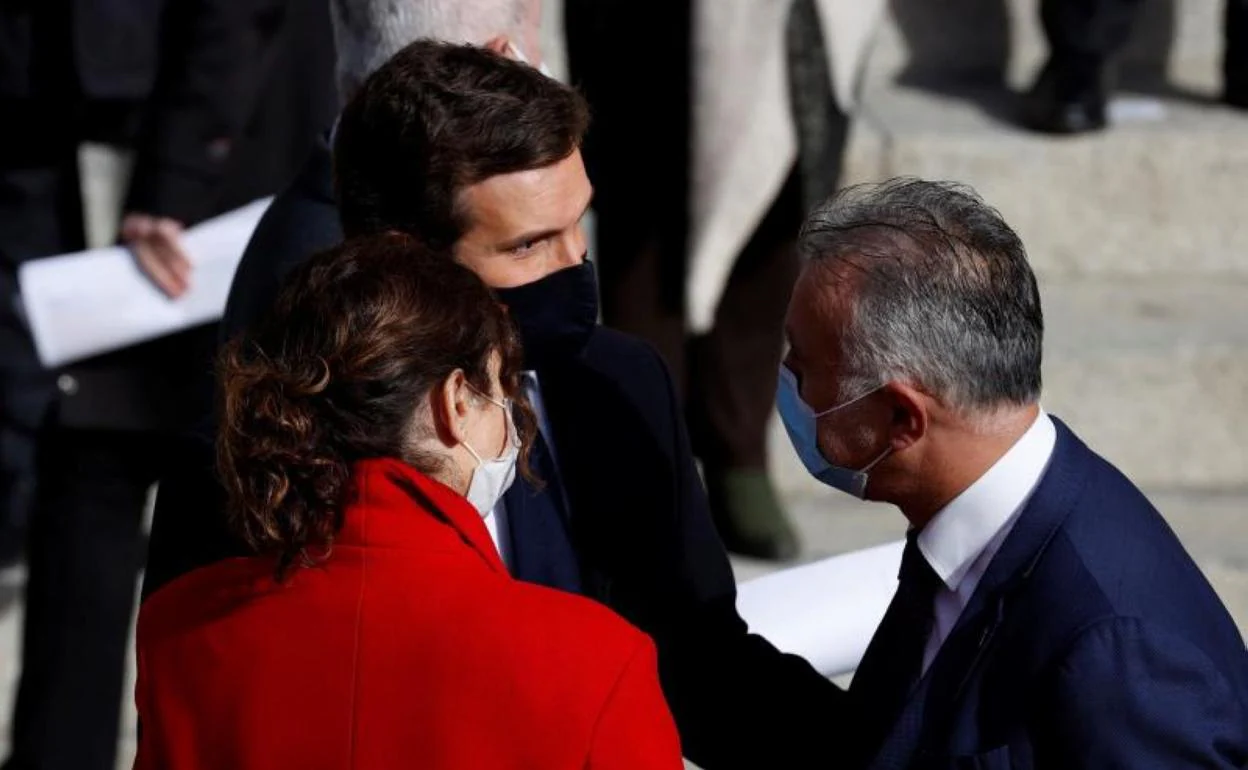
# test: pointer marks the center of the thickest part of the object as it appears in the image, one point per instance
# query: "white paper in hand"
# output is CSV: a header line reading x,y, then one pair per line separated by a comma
x,y
826,611
92,302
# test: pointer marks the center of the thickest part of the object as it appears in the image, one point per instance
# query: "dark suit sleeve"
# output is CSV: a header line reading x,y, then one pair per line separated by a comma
x,y
1128,695
738,701
297,225
212,56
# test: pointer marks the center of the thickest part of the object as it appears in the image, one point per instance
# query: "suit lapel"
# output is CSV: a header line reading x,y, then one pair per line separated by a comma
x,y
970,642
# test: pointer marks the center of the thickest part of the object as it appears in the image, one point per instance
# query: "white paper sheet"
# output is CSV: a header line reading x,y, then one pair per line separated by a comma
x,y
91,302
825,611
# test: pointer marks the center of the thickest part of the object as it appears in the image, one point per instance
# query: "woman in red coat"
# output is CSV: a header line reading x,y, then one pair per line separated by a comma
x,y
366,432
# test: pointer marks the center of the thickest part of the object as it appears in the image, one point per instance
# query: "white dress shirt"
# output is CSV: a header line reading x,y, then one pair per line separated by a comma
x,y
496,521
962,539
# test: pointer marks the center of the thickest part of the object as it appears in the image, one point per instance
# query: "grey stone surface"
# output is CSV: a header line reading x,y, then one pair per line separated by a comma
x,y
1157,198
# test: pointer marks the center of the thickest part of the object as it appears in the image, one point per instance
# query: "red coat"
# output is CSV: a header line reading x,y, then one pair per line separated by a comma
x,y
409,647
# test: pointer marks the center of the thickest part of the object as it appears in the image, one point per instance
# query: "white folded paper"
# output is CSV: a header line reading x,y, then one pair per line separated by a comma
x,y
826,611
92,302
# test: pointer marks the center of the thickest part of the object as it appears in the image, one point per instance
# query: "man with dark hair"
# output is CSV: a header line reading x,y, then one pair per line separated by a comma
x,y
481,155
1046,616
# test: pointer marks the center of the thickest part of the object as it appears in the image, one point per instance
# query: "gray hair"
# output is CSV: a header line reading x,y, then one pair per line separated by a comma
x,y
368,32
939,289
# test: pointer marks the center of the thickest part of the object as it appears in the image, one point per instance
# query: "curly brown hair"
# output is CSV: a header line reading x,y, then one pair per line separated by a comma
x,y
335,373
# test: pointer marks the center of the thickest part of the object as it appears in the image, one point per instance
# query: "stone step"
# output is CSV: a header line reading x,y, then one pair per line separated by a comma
x,y
1161,194
920,42
1151,374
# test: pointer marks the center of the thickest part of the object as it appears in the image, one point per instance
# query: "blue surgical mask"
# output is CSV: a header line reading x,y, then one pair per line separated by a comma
x,y
800,422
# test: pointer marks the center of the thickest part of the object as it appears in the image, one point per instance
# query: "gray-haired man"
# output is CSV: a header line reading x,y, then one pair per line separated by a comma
x,y
1046,616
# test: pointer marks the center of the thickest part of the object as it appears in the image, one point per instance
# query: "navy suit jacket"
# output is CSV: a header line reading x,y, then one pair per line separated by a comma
x,y
1093,641
640,525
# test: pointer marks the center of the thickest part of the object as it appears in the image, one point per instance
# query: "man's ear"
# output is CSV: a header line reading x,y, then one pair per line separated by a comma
x,y
910,417
501,45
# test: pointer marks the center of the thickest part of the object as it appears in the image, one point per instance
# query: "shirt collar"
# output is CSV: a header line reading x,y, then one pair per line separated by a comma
x,y
963,529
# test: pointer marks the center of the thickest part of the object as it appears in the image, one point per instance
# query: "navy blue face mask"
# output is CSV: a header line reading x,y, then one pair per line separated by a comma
x,y
555,314
800,422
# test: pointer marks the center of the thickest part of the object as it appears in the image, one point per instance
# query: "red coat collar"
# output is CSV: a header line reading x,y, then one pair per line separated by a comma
x,y
396,506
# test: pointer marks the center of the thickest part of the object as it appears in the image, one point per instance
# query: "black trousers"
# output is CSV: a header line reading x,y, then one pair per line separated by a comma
x,y
85,552
631,59
1085,33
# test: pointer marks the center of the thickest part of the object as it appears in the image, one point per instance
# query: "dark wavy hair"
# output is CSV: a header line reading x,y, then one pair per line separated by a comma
x,y
336,373
437,118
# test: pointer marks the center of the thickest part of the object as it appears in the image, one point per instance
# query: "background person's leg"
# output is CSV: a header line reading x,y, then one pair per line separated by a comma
x,y
732,385
85,552
734,367
1071,93
631,60
1087,31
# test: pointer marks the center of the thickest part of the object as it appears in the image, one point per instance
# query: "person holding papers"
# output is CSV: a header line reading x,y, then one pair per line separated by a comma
x,y
370,424
177,82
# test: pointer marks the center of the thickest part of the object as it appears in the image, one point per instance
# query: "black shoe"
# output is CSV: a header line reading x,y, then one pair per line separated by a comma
x,y
748,515
1066,100
1237,98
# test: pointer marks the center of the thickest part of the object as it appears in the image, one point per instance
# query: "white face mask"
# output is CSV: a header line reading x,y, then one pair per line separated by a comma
x,y
492,478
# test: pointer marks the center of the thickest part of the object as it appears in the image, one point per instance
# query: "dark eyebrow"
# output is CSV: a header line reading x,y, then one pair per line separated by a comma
x,y
541,235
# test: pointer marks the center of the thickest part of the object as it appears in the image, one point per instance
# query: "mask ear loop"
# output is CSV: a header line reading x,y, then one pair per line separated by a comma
x,y
473,452
850,402
888,450
513,434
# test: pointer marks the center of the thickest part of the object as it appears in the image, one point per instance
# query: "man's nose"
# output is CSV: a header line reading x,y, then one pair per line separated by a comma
x,y
572,253
574,247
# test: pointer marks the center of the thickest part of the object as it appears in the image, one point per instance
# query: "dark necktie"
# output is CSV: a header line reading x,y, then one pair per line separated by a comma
x,y
541,550
893,663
